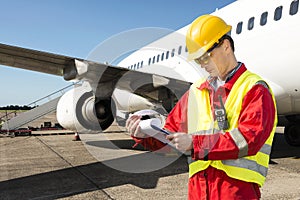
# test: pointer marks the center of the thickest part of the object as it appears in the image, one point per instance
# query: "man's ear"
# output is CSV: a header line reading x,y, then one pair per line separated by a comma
x,y
226,45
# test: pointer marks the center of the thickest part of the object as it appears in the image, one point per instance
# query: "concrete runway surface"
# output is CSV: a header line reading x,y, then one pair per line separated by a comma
x,y
55,167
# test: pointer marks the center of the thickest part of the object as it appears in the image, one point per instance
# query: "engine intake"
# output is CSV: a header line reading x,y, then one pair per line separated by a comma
x,y
79,110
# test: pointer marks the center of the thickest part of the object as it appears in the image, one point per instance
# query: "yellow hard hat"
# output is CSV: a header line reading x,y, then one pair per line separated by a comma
x,y
203,33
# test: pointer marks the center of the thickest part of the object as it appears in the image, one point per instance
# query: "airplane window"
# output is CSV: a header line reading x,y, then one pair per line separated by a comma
x,y
179,50
157,60
138,65
131,66
134,66
251,23
294,7
186,49
173,53
153,60
149,61
239,27
162,56
142,63
278,13
263,18
167,55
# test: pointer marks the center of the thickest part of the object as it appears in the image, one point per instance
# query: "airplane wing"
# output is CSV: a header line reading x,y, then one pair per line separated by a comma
x,y
99,75
33,60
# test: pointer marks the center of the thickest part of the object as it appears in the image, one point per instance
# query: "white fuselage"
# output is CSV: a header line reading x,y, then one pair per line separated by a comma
x,y
269,48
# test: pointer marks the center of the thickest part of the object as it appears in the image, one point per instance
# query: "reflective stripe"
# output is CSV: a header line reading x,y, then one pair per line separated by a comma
x,y
206,132
266,149
263,83
247,164
203,132
240,142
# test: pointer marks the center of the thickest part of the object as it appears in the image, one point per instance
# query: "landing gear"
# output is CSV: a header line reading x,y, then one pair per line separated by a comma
x,y
292,129
292,134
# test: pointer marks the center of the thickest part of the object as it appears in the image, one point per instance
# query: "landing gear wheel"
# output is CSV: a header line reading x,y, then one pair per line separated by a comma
x,y
292,134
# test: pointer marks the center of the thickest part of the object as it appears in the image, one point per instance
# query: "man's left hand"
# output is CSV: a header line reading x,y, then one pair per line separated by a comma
x,y
182,141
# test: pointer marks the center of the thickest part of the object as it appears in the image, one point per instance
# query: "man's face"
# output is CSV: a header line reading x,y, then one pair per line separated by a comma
x,y
207,62
214,62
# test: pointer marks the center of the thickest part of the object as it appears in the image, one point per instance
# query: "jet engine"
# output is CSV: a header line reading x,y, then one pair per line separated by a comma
x,y
79,110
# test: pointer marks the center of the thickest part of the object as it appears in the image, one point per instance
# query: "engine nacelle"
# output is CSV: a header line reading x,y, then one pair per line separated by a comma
x,y
79,110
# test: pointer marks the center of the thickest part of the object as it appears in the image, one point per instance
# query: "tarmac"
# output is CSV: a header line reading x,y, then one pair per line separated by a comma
x,y
53,166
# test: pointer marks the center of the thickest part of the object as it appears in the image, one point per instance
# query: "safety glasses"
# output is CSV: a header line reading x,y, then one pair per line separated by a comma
x,y
204,59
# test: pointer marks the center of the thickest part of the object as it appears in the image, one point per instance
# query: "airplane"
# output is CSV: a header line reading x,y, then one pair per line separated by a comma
x,y
156,75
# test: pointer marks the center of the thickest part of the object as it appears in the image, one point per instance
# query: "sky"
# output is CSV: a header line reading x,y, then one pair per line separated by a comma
x,y
74,28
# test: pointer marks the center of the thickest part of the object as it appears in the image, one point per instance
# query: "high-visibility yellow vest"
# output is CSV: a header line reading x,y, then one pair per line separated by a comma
x,y
200,121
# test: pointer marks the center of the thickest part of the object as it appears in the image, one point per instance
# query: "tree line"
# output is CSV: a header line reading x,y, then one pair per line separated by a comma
x,y
17,107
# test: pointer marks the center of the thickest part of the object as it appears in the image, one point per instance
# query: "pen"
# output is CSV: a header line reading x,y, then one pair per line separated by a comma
x,y
159,129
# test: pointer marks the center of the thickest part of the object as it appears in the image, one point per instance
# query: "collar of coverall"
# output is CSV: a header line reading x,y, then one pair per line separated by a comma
x,y
230,79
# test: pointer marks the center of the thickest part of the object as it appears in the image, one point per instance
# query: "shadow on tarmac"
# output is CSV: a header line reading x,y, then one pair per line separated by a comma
x,y
85,178
96,176
117,144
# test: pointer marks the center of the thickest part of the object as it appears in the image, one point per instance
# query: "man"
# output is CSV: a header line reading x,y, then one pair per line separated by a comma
x,y
228,120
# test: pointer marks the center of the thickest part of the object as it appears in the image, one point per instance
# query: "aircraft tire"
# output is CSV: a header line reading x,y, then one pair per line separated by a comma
x,y
292,134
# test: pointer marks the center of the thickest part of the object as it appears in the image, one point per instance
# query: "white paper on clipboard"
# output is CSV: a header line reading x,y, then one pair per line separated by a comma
x,y
152,127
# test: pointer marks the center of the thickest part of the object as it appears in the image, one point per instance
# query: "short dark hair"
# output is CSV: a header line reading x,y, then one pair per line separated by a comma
x,y
220,41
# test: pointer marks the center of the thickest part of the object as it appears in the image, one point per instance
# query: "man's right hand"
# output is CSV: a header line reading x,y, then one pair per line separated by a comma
x,y
132,126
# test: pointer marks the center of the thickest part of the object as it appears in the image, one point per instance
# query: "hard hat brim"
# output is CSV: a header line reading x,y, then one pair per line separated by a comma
x,y
197,54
